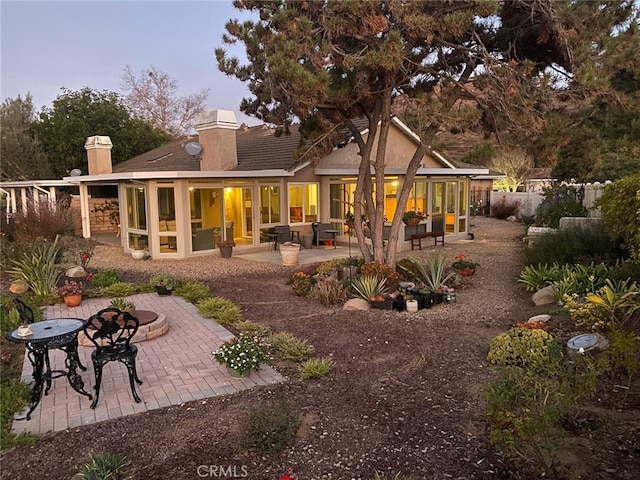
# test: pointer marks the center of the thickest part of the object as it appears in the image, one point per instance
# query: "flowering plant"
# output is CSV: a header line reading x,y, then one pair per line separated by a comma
x,y
71,287
226,243
244,354
462,262
409,214
288,475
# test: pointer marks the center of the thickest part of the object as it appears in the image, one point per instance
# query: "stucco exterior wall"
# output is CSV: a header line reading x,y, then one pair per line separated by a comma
x,y
399,151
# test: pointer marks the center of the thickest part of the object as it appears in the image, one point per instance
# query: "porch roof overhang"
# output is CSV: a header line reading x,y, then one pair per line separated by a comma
x,y
36,183
180,175
431,172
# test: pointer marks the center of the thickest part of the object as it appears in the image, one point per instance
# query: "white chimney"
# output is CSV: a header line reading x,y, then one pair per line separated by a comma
x,y
216,134
99,154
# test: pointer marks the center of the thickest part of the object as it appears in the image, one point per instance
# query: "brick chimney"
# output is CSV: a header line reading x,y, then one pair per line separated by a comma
x,y
216,134
98,150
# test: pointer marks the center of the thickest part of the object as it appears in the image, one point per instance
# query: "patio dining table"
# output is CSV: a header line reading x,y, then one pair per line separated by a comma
x,y
57,333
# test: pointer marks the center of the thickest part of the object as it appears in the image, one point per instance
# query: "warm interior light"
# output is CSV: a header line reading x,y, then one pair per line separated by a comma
x,y
394,183
227,189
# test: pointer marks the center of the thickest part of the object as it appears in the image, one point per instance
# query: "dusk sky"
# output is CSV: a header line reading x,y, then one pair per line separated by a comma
x,y
46,45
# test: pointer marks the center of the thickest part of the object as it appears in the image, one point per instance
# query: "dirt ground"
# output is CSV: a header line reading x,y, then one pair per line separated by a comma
x,y
405,395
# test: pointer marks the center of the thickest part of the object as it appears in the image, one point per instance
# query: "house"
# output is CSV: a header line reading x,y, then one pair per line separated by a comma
x,y
234,182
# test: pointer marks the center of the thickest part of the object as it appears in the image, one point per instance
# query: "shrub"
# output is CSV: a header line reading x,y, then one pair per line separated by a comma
x,y
105,278
301,283
221,310
370,286
165,279
523,347
39,221
40,269
504,208
535,277
104,466
623,354
621,302
586,315
329,291
285,346
570,246
381,270
433,275
270,426
620,206
533,325
193,291
315,368
252,328
245,353
526,407
560,201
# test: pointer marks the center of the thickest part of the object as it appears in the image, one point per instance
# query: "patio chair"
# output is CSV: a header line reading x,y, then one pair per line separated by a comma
x,y
283,234
324,232
111,331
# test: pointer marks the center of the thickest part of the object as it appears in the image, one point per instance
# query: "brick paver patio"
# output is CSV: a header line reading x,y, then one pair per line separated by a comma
x,y
175,368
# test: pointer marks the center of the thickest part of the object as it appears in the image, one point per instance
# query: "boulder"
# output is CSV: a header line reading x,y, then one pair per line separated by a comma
x,y
544,296
544,318
356,304
18,287
512,218
76,272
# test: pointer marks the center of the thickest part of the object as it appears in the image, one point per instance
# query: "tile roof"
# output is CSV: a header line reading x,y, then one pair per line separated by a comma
x,y
258,149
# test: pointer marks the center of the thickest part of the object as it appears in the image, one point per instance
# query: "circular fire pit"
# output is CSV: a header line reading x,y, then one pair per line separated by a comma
x,y
152,325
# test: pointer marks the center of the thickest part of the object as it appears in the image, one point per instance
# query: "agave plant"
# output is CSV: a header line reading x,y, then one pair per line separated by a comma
x,y
370,286
433,275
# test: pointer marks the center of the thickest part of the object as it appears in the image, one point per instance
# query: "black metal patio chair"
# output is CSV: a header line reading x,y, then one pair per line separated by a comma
x,y
111,331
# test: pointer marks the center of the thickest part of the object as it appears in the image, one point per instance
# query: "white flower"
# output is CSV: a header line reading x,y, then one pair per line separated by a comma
x,y
581,351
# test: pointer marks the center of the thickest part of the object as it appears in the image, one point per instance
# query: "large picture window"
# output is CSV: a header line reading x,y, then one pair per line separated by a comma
x,y
303,203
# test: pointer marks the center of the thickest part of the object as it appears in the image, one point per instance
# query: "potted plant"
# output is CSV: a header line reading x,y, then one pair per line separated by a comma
x,y
123,305
242,355
71,292
164,283
289,252
463,266
411,218
226,248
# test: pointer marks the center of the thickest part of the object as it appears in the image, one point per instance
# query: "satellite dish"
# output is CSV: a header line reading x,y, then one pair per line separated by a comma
x,y
193,148
76,172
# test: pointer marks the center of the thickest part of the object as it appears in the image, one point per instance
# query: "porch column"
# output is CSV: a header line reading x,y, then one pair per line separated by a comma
x,y
14,201
84,210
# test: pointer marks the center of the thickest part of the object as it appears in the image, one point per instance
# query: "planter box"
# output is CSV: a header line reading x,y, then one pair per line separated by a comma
x,y
382,304
397,304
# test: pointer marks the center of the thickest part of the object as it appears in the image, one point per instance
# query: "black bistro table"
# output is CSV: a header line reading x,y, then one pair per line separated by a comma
x,y
57,333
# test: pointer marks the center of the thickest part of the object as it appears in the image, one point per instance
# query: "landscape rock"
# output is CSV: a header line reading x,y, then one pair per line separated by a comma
x,y
544,296
356,304
512,218
76,272
18,287
544,318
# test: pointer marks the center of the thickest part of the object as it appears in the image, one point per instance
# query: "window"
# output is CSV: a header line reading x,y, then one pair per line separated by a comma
x,y
136,208
270,204
303,203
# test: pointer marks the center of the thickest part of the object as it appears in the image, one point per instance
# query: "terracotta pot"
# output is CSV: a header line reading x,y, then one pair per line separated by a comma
x,y
466,272
72,300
